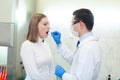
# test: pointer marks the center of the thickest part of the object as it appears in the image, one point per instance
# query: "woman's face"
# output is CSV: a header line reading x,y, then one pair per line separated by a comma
x,y
43,28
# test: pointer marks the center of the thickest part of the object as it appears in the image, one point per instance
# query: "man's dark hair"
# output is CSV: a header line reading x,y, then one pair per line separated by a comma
x,y
86,16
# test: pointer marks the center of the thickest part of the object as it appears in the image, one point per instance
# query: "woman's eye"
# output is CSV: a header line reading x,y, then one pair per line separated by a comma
x,y
45,24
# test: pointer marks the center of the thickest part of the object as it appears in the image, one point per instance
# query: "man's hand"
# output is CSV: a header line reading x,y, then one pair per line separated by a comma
x,y
59,71
56,36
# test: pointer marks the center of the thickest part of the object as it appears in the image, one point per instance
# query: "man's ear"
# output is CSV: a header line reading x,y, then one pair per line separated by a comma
x,y
81,24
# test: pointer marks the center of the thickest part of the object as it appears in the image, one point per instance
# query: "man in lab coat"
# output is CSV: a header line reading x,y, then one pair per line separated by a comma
x,y
86,60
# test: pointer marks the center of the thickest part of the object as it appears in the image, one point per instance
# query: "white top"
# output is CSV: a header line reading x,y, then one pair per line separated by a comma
x,y
85,61
37,60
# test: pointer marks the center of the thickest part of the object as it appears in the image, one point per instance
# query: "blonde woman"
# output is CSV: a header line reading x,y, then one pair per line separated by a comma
x,y
35,52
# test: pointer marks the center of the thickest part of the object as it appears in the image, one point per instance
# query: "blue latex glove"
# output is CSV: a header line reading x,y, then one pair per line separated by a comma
x,y
56,36
59,71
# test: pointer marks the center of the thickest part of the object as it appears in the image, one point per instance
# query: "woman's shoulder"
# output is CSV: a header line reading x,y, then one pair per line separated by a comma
x,y
27,43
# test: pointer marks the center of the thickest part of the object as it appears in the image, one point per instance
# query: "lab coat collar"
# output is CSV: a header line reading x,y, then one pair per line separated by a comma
x,y
40,40
90,38
85,36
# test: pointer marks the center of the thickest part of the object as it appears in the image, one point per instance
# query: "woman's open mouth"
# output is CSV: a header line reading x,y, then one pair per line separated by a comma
x,y
47,32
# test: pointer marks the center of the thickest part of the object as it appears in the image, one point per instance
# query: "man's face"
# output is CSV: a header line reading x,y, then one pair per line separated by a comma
x,y
75,24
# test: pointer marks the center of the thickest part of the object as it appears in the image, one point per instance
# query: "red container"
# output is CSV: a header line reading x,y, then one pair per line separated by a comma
x,y
3,73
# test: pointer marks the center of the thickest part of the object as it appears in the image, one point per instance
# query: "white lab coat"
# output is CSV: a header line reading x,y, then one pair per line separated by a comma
x,y
37,60
85,61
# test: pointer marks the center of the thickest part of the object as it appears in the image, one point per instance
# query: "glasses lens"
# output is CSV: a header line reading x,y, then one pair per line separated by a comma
x,y
74,22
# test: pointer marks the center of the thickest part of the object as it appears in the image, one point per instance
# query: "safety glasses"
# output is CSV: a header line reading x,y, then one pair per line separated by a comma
x,y
74,22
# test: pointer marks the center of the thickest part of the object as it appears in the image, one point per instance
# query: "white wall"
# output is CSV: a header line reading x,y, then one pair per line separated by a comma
x,y
106,28
6,11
